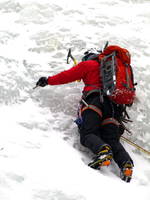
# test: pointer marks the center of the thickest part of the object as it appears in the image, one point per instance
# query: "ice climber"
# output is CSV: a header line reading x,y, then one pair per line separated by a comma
x,y
100,117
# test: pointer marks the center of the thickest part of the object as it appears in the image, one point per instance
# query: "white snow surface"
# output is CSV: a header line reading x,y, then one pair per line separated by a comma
x,y
40,154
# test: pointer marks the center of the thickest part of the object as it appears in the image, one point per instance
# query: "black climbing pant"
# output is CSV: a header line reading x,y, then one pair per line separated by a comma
x,y
94,135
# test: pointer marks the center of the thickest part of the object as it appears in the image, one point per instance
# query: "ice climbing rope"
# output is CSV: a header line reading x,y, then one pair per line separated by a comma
x,y
135,145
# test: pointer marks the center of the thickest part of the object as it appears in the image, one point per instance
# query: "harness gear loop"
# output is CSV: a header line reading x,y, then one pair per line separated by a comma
x,y
110,120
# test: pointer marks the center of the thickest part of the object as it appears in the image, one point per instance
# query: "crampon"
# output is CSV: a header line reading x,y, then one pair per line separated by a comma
x,y
126,172
103,158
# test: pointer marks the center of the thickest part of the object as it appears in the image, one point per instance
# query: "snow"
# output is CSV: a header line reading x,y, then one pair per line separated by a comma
x,y
40,154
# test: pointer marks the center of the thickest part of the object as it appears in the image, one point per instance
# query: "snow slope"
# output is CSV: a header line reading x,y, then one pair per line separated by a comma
x,y
40,154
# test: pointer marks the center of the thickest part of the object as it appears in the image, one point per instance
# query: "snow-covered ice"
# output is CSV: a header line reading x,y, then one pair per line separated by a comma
x,y
40,154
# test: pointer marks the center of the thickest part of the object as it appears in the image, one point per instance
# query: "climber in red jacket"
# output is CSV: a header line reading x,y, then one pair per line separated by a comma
x,y
87,71
99,126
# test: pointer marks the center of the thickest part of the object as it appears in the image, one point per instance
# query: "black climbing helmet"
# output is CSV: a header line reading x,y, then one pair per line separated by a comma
x,y
89,56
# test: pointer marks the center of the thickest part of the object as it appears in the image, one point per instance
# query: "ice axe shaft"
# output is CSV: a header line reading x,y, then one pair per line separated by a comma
x,y
35,87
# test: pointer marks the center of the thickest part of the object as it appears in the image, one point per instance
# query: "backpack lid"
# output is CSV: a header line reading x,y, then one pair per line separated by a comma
x,y
121,53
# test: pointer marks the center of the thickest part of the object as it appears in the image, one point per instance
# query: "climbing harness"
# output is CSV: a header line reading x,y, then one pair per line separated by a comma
x,y
92,107
83,105
110,120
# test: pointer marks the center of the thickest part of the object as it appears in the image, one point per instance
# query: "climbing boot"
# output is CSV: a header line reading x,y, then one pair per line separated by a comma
x,y
126,171
103,158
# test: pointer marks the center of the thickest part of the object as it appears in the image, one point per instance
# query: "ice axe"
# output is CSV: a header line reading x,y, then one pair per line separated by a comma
x,y
68,57
71,56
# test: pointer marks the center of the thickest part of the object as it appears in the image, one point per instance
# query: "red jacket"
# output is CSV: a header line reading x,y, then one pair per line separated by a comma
x,y
88,71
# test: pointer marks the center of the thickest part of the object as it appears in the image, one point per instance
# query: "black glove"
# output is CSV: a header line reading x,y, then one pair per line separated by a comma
x,y
42,82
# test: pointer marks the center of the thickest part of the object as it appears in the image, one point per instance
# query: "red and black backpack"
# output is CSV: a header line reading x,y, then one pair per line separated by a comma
x,y
117,75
